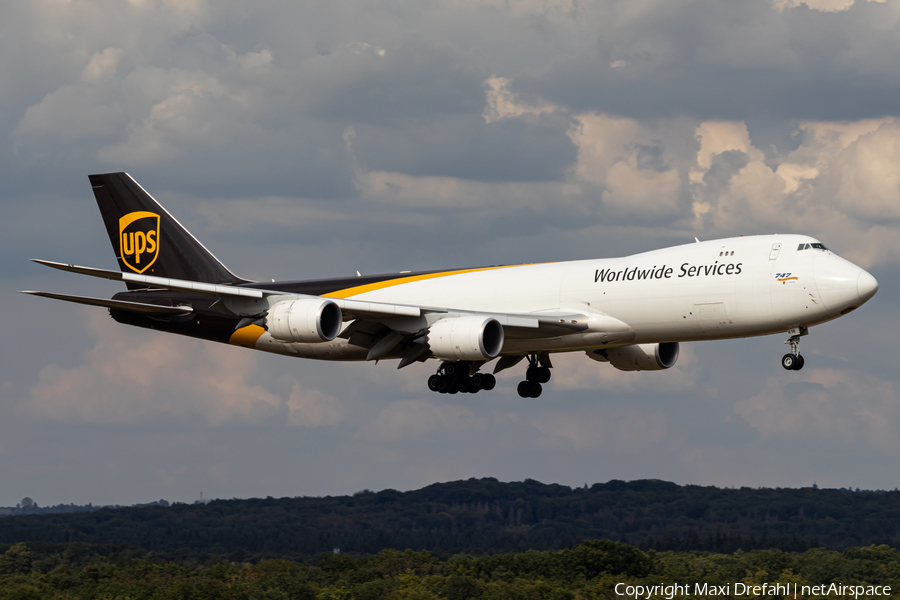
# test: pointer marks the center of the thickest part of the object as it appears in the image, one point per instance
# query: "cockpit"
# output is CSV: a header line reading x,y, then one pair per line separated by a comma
x,y
814,246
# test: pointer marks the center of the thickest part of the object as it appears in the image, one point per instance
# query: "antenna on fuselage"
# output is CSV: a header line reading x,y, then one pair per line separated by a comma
x,y
696,240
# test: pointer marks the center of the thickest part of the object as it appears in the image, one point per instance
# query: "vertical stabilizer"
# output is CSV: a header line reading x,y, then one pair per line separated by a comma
x,y
147,239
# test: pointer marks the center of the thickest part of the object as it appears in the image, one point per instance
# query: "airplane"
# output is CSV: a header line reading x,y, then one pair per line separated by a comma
x,y
630,312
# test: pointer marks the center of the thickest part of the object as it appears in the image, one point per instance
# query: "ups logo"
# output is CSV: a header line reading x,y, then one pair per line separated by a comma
x,y
139,240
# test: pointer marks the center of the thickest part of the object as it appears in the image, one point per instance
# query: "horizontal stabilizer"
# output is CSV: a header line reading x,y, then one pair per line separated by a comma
x,y
137,307
164,283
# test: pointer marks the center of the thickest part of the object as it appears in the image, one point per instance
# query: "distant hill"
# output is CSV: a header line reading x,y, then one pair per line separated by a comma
x,y
485,516
30,507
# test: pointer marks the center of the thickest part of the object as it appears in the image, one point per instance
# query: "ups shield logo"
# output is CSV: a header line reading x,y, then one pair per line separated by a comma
x,y
139,240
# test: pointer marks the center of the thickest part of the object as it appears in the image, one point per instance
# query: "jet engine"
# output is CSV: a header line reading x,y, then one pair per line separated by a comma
x,y
310,320
466,338
639,357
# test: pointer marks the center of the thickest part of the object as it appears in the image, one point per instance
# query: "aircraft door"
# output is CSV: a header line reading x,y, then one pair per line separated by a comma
x,y
776,249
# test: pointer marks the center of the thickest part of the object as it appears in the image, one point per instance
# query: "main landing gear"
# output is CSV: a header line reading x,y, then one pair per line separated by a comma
x,y
793,361
453,378
535,375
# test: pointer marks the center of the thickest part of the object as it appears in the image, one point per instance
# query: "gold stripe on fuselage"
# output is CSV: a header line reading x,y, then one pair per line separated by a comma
x,y
378,285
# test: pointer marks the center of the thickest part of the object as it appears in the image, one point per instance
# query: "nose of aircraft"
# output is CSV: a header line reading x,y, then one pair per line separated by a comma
x,y
866,286
842,285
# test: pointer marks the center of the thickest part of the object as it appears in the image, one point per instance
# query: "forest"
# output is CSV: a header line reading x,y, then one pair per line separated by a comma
x,y
485,516
589,570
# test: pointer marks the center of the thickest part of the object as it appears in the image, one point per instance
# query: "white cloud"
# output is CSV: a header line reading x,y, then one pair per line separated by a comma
x,y
716,137
416,419
503,103
627,158
841,184
821,5
135,376
842,406
312,408
600,427
102,65
868,172
521,8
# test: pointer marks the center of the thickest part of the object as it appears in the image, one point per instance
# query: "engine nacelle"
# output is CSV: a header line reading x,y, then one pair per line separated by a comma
x,y
639,357
466,338
310,320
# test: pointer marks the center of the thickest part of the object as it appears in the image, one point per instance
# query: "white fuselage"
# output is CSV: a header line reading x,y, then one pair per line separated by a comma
x,y
729,288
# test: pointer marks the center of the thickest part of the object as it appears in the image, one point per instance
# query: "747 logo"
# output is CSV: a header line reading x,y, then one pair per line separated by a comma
x,y
785,277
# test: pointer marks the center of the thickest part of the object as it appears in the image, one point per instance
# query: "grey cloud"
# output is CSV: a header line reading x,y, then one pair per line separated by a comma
x,y
515,149
734,60
722,168
652,157
363,84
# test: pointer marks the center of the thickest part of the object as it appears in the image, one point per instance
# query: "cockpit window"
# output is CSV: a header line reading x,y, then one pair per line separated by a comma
x,y
816,246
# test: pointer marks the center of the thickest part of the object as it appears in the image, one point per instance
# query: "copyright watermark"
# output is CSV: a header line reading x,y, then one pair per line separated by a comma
x,y
670,591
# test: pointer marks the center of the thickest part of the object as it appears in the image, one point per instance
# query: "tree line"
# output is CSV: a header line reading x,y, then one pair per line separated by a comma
x,y
485,516
590,570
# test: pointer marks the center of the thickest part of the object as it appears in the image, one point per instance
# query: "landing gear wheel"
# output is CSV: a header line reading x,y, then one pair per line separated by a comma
x,y
453,386
535,375
529,389
543,374
488,382
434,383
793,361
477,381
789,362
456,369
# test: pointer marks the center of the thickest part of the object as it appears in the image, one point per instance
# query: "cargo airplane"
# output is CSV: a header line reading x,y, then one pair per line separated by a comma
x,y
631,312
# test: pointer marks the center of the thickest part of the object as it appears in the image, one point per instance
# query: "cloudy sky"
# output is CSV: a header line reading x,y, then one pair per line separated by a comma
x,y
315,139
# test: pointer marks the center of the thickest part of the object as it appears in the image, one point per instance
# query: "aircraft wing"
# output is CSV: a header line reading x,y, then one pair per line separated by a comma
x,y
524,325
353,307
138,307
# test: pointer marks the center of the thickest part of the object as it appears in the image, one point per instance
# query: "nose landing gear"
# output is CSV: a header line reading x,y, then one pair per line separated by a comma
x,y
793,361
453,378
535,375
